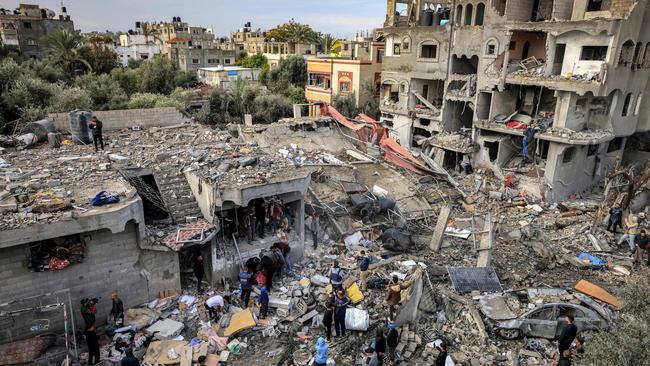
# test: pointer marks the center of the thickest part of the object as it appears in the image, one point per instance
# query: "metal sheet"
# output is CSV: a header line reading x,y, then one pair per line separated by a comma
x,y
467,279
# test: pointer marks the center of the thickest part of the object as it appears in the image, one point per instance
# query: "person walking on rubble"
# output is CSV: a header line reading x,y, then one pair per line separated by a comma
x,y
631,231
341,305
321,352
314,228
328,318
199,272
641,242
92,340
379,345
615,214
364,265
263,303
96,126
394,296
336,275
129,359
568,334
392,340
117,310
246,282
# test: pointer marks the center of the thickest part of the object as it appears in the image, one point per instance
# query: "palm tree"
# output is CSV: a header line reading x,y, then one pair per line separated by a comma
x,y
149,31
66,48
325,42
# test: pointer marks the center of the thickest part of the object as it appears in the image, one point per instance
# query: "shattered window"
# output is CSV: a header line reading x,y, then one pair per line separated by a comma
x,y
593,53
56,254
429,51
546,313
567,157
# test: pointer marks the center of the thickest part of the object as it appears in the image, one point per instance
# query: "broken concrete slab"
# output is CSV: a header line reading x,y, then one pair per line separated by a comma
x,y
598,293
166,329
441,225
495,307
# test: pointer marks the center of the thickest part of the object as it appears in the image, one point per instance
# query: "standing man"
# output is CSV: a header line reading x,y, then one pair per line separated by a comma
x,y
245,280
285,249
641,246
336,276
92,340
263,302
615,214
249,221
328,318
199,272
392,340
631,231
117,310
380,346
314,228
260,216
364,264
276,215
568,334
394,296
341,305
96,126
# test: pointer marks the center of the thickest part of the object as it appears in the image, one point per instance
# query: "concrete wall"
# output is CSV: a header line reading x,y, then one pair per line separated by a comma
x,y
126,118
574,42
138,275
203,193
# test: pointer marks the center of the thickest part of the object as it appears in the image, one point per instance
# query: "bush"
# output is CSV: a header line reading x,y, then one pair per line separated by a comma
x,y
345,104
150,100
157,76
105,92
127,79
269,108
68,99
28,91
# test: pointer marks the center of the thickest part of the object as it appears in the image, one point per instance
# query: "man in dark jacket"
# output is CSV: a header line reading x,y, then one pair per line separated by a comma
x,y
615,216
129,359
642,246
328,318
92,340
199,272
341,306
246,282
96,126
442,355
568,334
392,340
117,310
380,346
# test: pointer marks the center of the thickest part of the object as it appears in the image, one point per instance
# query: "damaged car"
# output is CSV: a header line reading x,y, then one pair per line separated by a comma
x,y
546,321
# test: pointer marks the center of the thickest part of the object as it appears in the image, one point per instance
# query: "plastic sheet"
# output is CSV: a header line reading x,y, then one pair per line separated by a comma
x,y
357,319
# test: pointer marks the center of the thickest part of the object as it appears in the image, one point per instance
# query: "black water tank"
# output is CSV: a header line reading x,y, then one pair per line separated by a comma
x,y
137,25
426,17
79,119
446,13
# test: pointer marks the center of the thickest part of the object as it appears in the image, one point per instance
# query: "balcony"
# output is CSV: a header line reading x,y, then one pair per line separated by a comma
x,y
553,134
318,94
534,72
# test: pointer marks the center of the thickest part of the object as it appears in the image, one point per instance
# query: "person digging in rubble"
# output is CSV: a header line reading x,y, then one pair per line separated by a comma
x,y
263,303
641,242
341,305
392,340
216,306
631,231
328,318
96,126
129,359
615,214
246,282
568,334
379,344
285,249
336,276
199,272
364,265
117,310
314,228
321,352
371,357
92,340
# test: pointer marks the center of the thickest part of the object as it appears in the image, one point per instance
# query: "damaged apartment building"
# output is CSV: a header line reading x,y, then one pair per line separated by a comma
x,y
548,89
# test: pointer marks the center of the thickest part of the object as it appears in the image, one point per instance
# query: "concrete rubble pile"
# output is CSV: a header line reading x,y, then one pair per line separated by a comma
x,y
479,265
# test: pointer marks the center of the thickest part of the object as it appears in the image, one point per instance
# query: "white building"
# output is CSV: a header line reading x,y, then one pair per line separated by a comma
x,y
136,47
222,76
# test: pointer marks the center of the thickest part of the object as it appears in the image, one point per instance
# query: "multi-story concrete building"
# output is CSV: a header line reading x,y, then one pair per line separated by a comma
x,y
25,27
189,47
550,89
328,76
222,76
136,47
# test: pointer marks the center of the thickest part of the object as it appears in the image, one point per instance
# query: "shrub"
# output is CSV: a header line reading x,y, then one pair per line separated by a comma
x,y
105,92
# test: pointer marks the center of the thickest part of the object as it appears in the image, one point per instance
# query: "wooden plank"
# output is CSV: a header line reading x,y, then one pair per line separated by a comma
x,y
597,293
487,241
436,238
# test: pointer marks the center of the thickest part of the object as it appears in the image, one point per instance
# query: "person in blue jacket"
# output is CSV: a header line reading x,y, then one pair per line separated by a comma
x,y
263,302
321,352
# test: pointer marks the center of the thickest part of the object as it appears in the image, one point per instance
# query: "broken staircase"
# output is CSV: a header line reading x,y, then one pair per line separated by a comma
x,y
177,194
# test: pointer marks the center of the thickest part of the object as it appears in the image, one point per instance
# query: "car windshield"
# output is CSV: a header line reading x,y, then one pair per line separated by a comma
x,y
545,313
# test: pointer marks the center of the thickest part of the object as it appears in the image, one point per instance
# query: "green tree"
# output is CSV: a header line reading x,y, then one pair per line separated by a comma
x,y
256,61
369,93
68,99
127,79
625,343
45,70
159,75
104,91
102,60
269,108
346,104
151,100
66,48
293,32
328,44
290,71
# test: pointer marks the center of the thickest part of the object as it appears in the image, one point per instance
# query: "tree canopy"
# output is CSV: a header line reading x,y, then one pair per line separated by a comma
x,y
67,48
293,32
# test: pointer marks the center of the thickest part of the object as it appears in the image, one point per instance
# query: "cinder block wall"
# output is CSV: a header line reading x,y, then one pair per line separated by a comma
x,y
126,118
113,262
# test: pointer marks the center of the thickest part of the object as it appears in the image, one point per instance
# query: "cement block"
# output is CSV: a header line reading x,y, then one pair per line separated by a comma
x,y
166,328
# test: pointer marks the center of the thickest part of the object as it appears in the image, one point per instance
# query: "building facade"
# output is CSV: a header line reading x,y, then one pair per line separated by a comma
x,y
25,27
253,42
328,77
550,89
136,47
222,77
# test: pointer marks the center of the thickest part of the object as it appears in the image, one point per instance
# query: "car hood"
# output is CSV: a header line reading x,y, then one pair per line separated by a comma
x,y
510,324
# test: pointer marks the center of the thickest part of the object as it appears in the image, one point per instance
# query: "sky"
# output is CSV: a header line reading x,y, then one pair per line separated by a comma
x,y
342,18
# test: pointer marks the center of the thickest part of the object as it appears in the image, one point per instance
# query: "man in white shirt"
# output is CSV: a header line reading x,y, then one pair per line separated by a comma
x,y
216,305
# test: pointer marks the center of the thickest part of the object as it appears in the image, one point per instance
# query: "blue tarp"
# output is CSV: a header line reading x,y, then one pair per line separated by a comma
x,y
103,198
595,262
